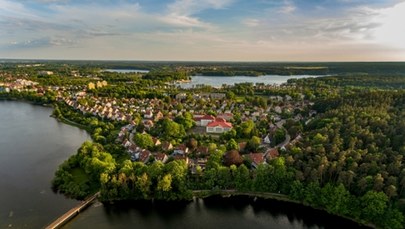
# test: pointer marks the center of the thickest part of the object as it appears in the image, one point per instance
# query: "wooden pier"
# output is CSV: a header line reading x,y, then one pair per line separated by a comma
x,y
72,212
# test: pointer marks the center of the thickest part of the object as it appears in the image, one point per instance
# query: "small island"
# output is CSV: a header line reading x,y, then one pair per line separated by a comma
x,y
333,143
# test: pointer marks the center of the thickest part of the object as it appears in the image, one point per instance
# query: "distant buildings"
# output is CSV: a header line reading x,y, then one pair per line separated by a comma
x,y
45,73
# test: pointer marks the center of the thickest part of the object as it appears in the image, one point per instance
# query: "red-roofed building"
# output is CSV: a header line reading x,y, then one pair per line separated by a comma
x,y
161,157
144,156
256,158
272,153
202,150
181,157
204,120
218,126
226,116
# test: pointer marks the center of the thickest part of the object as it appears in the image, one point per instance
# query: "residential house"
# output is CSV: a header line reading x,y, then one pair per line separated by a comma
x,y
181,96
148,124
181,157
148,114
267,140
242,146
256,159
158,115
204,120
156,141
144,156
180,150
226,116
218,126
272,153
126,143
202,150
166,146
161,157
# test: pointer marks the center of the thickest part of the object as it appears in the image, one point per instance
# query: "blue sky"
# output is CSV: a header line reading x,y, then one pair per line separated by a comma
x,y
229,30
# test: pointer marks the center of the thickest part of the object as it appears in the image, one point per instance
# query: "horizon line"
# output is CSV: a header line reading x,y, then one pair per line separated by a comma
x,y
203,61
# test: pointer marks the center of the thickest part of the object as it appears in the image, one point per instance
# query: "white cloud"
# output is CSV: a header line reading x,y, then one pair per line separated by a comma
x,y
183,21
250,22
14,9
180,12
191,7
287,8
391,31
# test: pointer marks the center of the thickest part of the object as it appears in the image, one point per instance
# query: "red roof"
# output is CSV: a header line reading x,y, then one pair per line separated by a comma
x,y
257,158
160,156
272,153
144,155
205,117
220,120
221,124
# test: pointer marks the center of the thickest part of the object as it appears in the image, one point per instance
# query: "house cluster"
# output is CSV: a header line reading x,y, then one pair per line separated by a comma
x,y
45,73
152,110
98,84
182,96
19,85
103,108
165,151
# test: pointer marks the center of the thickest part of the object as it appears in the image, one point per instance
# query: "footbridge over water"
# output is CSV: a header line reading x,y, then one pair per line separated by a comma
x,y
72,212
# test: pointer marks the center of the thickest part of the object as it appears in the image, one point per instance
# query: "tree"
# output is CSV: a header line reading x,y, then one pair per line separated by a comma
x,y
165,184
254,143
232,145
297,191
243,181
192,143
279,136
169,130
186,120
144,141
245,129
373,205
233,157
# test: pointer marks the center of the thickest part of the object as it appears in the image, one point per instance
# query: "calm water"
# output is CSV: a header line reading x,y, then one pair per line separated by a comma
x,y
32,145
235,213
126,70
218,81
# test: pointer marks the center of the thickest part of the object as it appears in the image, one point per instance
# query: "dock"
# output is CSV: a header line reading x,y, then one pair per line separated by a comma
x,y
72,212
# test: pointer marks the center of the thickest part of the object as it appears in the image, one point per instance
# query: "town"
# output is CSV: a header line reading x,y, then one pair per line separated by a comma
x,y
212,115
152,139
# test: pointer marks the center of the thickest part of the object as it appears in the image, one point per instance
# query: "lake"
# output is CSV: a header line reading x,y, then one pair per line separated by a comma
x,y
32,146
126,70
218,81
213,212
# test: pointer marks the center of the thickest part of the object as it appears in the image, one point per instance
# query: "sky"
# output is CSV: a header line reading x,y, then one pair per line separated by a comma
x,y
204,30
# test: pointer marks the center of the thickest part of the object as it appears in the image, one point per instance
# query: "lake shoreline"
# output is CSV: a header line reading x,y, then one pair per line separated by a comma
x,y
204,193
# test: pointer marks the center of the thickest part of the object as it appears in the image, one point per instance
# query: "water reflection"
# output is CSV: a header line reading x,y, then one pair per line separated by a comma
x,y
213,212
